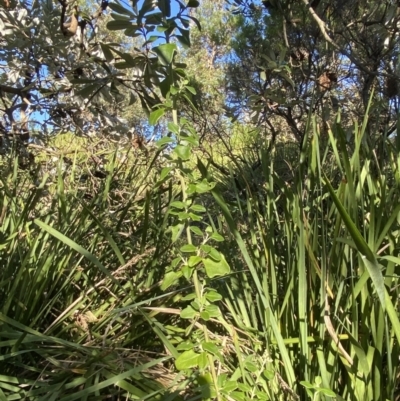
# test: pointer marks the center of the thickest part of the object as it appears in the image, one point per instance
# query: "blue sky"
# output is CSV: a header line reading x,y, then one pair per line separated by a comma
x,y
174,5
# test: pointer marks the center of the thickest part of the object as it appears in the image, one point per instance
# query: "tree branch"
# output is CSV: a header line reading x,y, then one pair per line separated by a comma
x,y
323,28
11,89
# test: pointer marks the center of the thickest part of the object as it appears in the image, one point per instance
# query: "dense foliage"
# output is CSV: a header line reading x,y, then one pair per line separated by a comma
x,y
199,200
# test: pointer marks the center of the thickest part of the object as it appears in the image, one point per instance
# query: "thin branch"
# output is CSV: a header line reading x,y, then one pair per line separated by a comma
x,y
323,28
11,89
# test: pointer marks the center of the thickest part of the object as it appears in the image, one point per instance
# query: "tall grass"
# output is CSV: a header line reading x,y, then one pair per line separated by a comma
x,y
68,263
316,284
157,287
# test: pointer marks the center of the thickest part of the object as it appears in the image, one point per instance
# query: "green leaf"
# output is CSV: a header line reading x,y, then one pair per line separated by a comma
x,y
178,205
107,52
123,65
88,90
165,7
196,230
177,231
82,81
198,208
288,79
217,237
183,152
195,217
156,115
238,396
133,31
174,128
250,366
369,259
118,8
210,347
326,391
187,272
188,313
184,39
175,262
191,89
202,361
205,248
173,90
214,269
213,310
160,143
189,140
188,248
132,62
195,304
269,374
204,186
194,260
307,385
214,254
183,215
205,315
230,385
213,296
153,19
193,140
187,360
189,297
208,392
111,382
196,21
261,396
164,172
118,25
193,3
170,278
119,17
165,53
185,346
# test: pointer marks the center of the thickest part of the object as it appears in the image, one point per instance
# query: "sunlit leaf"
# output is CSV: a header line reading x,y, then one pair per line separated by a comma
x,y
156,115
198,208
368,256
196,230
187,360
183,152
177,231
165,53
214,268
170,278
163,141
213,296
194,260
188,248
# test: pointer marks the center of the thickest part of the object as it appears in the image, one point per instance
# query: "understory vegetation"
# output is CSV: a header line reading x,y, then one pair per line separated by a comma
x,y
204,214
